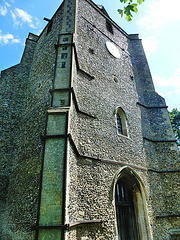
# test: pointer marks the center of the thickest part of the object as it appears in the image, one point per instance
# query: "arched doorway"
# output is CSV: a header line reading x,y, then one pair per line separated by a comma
x,y
125,212
130,205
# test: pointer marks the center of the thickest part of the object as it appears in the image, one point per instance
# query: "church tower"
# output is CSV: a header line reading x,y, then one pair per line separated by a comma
x,y
88,151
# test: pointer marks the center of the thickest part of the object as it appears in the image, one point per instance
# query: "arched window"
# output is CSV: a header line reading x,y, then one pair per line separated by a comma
x,y
130,204
121,122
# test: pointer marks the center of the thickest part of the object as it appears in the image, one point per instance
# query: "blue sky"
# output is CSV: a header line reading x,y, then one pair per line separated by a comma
x,y
157,22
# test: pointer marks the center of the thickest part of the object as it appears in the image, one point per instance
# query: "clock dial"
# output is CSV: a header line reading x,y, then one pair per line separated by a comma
x,y
113,49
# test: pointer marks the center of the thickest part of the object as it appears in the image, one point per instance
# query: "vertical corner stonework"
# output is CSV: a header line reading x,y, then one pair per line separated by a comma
x,y
51,218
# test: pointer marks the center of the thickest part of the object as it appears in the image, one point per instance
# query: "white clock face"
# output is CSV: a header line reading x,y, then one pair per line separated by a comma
x,y
113,49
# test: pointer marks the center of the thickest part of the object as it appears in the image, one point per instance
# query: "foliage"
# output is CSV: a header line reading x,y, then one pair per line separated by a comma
x,y
175,122
131,7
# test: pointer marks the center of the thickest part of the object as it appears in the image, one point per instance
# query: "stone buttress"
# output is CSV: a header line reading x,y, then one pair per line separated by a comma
x,y
51,219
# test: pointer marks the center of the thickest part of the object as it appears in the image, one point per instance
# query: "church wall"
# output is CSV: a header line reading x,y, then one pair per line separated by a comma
x,y
95,151
27,90
101,95
91,198
103,84
13,96
97,137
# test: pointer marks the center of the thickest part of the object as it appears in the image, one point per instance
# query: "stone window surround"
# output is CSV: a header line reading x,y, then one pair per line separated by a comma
x,y
123,118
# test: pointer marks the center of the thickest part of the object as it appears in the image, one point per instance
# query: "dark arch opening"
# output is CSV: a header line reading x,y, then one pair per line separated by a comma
x,y
121,122
109,27
125,212
130,202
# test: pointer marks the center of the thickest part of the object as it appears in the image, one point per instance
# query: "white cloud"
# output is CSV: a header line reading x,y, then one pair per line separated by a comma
x,y
171,93
3,10
173,81
7,4
8,38
177,71
14,17
169,88
150,45
20,16
159,13
26,17
15,40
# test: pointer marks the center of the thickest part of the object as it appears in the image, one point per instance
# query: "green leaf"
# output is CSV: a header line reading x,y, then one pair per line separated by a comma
x,y
140,1
120,11
131,7
128,18
175,122
124,1
128,9
134,7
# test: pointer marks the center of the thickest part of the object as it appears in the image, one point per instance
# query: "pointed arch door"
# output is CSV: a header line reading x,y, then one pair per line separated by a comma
x,y
130,205
125,212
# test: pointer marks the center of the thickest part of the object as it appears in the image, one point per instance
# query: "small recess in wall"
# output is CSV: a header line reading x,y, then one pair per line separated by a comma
x,y
115,78
132,78
91,50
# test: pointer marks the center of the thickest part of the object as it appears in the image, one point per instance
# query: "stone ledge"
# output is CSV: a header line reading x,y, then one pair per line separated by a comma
x,y
58,110
174,231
